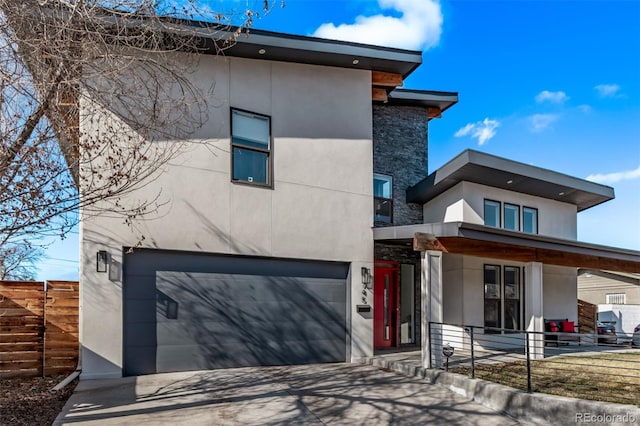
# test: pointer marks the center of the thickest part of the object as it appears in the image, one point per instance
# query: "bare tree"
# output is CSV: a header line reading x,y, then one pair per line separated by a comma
x,y
120,55
18,261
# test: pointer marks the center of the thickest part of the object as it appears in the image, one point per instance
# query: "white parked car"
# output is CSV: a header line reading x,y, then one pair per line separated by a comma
x,y
635,341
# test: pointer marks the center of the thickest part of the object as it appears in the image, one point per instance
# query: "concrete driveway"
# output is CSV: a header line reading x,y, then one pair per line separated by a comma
x,y
326,394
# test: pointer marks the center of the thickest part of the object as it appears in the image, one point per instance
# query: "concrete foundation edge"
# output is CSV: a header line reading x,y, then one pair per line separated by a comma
x,y
526,407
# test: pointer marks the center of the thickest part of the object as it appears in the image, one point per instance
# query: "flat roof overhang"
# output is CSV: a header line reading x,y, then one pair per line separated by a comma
x,y
490,170
482,241
274,46
252,43
423,98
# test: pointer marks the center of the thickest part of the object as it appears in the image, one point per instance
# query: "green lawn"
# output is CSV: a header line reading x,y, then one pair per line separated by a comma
x,y
613,377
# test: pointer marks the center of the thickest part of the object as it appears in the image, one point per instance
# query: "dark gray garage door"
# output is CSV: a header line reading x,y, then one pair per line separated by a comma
x,y
192,311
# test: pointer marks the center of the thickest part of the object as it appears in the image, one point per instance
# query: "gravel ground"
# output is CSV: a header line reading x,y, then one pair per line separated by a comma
x,y
30,401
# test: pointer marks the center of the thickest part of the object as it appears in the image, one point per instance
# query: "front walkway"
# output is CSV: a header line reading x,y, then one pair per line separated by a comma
x,y
327,394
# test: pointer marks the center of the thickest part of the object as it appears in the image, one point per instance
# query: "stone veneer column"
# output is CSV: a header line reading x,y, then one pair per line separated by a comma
x,y
533,309
431,308
400,151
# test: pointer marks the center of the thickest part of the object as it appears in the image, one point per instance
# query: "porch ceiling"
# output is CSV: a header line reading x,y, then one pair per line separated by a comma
x,y
518,253
481,241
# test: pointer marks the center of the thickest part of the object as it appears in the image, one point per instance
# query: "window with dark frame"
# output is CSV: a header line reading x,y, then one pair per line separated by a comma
x,y
492,297
382,198
492,213
507,216
502,298
250,148
511,217
530,220
511,297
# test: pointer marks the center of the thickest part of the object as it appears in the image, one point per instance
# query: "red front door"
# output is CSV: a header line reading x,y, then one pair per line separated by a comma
x,y
386,299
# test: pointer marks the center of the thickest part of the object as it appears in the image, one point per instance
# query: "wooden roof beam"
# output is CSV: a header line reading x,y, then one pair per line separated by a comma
x,y
386,79
424,242
434,112
379,95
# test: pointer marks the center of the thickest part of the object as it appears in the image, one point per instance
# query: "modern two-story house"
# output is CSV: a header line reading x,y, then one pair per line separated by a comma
x,y
300,224
262,248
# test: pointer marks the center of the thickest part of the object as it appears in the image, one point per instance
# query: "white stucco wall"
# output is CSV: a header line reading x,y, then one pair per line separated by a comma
x,y
453,299
463,289
560,288
320,206
465,203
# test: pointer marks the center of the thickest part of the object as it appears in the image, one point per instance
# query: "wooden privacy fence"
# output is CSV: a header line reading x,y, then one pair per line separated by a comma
x,y
38,328
587,316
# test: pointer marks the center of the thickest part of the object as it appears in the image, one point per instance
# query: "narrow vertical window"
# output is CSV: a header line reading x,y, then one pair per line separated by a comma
x,y
250,148
530,220
511,217
382,198
387,320
512,298
492,213
492,305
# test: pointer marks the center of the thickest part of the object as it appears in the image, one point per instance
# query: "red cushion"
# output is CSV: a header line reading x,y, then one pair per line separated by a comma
x,y
567,326
553,327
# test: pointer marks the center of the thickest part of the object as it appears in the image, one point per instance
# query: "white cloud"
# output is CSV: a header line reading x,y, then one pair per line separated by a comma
x,y
481,130
419,26
585,108
539,122
608,90
555,97
615,176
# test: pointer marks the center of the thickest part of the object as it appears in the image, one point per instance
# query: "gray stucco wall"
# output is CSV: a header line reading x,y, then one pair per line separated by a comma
x,y
400,150
320,207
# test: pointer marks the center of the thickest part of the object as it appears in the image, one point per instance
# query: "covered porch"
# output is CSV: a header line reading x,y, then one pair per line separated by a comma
x,y
500,282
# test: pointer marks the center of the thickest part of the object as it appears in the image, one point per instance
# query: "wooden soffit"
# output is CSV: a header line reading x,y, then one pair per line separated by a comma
x,y
522,253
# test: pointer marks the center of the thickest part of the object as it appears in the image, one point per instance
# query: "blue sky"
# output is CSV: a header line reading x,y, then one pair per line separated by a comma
x,y
555,84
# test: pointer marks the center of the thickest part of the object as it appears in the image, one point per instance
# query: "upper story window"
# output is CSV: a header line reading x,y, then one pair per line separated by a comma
x,y
382,198
508,216
250,148
530,220
511,217
492,213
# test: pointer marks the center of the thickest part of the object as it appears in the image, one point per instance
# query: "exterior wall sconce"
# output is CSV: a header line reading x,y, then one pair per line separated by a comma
x,y
366,277
101,261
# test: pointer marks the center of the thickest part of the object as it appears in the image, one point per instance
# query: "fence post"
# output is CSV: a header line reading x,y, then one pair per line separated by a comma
x,y
528,363
44,329
473,360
